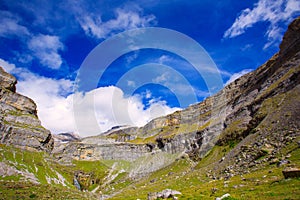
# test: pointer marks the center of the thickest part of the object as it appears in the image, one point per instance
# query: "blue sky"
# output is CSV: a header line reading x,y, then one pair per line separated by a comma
x,y
44,44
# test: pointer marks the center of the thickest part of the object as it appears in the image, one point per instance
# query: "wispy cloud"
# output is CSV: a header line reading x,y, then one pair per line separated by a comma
x,y
46,48
164,58
10,25
125,19
8,67
273,12
237,75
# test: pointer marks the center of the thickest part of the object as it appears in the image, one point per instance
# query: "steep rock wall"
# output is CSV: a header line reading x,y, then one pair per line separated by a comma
x,y
19,124
230,115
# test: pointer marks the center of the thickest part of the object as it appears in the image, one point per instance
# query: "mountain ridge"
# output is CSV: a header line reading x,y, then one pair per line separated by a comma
x,y
238,141
198,128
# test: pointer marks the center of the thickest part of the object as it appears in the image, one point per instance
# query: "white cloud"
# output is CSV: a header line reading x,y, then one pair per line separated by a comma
x,y
273,12
46,48
131,83
246,47
164,58
10,25
163,78
8,67
54,99
148,94
237,75
124,20
131,58
112,108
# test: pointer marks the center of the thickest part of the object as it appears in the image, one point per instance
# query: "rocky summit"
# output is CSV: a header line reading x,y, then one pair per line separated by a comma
x,y
19,124
241,143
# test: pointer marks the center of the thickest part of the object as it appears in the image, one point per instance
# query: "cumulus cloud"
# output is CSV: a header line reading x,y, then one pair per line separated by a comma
x,y
125,19
54,109
112,108
46,49
237,75
273,12
109,105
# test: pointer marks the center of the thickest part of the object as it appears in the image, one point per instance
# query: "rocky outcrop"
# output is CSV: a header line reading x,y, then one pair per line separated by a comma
x,y
62,139
291,173
290,42
272,116
19,124
106,151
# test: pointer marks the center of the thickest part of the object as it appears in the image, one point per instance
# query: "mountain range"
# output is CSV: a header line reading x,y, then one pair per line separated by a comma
x,y
240,143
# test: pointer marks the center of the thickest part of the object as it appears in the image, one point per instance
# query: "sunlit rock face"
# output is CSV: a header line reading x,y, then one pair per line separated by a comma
x,y
19,124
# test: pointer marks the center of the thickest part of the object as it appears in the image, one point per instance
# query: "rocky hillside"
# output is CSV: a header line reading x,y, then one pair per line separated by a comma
x,y
261,105
241,143
19,124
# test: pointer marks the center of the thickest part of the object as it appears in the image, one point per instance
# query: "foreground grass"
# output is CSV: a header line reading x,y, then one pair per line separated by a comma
x,y
26,190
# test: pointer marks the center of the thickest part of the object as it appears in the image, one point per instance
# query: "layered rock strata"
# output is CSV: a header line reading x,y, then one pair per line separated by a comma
x,y
19,124
234,113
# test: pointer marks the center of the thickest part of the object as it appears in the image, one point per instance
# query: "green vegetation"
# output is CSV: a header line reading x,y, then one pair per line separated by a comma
x,y
232,134
19,113
184,175
26,190
168,132
191,180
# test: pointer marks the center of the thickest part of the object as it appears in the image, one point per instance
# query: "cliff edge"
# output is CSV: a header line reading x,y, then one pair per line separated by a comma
x,y
19,123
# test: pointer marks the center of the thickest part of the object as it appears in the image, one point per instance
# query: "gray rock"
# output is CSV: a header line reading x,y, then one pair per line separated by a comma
x,y
7,81
283,162
223,197
19,124
291,173
165,194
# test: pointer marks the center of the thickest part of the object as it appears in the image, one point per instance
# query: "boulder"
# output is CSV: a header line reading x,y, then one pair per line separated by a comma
x,y
291,173
223,197
165,194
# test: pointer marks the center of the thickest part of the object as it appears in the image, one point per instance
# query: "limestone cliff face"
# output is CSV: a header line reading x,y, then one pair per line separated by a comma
x,y
19,124
233,114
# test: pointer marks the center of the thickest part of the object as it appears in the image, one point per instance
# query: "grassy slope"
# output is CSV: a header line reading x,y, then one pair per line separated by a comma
x,y
183,175
42,166
192,182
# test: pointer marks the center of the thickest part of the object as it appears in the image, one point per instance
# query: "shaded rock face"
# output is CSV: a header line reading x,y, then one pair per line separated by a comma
x,y
61,140
245,108
19,124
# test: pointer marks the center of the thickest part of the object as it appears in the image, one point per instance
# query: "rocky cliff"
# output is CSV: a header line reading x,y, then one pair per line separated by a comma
x,y
241,143
262,104
19,124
